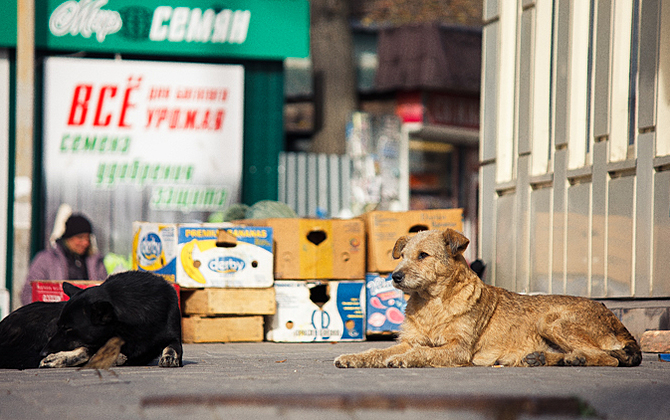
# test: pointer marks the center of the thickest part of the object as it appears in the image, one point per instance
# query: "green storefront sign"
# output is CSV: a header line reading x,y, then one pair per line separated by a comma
x,y
258,33
8,24
249,29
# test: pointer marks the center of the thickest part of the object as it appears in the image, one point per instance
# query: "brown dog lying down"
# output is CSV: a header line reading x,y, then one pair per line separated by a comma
x,y
454,319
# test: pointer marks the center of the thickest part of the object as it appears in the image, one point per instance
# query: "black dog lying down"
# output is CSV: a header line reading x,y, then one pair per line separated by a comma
x,y
25,332
138,307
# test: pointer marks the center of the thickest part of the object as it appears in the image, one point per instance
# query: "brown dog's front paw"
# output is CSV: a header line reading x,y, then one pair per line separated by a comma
x,y
348,361
574,360
397,362
535,359
369,359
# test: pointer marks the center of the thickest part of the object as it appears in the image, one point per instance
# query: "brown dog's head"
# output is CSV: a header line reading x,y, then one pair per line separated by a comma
x,y
429,258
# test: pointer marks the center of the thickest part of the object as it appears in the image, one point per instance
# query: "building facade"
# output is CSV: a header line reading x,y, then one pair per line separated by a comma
x,y
575,147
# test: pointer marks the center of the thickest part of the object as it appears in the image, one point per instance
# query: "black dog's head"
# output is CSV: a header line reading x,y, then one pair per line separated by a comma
x,y
87,320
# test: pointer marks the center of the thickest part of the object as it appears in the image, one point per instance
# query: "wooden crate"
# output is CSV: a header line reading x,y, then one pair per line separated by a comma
x,y
656,341
222,301
222,329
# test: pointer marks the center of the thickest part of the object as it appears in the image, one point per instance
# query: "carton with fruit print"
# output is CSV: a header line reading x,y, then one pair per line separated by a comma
x,y
385,305
234,256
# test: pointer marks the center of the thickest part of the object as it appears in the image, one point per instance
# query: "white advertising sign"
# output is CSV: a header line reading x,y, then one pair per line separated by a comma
x,y
137,140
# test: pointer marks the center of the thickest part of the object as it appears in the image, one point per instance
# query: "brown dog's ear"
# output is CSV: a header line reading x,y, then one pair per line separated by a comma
x,y
399,245
456,242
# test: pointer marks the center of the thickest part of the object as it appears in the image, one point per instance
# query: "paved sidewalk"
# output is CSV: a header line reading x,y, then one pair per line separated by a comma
x,y
299,381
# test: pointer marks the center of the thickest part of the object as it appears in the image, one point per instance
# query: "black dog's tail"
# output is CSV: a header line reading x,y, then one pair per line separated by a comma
x,y
478,267
628,356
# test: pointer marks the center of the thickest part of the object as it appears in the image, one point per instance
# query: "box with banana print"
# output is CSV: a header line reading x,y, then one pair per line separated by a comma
x,y
234,256
198,255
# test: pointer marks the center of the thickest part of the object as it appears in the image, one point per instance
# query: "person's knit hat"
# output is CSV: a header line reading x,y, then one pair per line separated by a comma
x,y
75,225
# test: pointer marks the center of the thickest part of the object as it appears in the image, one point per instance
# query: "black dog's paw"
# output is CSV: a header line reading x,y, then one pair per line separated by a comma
x,y
62,359
121,360
169,358
535,359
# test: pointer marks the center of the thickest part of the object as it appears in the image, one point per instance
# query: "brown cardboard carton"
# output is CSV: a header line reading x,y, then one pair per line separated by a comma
x,y
205,254
52,290
314,311
383,228
316,248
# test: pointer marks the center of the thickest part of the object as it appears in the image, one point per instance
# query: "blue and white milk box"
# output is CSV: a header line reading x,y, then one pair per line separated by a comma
x,y
155,248
318,311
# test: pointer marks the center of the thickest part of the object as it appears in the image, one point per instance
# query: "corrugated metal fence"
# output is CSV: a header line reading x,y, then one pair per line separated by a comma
x,y
315,184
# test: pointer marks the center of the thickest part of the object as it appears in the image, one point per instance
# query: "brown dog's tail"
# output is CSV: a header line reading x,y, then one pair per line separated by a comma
x,y
628,356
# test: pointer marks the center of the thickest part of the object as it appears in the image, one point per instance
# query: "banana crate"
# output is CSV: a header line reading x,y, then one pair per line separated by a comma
x,y
199,255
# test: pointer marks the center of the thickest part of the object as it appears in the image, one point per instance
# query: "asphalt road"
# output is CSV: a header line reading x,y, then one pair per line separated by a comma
x,y
299,381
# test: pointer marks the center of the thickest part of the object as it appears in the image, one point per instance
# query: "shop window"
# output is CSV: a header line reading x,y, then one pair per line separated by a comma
x,y
432,180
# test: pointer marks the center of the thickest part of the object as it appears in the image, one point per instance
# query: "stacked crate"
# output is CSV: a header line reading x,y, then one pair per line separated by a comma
x,y
237,286
225,315
319,275
386,304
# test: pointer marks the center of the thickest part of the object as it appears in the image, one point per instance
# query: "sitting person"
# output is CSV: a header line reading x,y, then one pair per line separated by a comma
x,y
71,258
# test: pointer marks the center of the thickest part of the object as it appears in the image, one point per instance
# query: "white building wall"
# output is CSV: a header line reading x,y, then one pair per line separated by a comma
x,y
575,150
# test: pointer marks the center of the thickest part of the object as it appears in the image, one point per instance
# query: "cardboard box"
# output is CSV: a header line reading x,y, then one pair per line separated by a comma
x,y
52,290
218,301
319,249
313,311
385,305
383,229
194,255
155,248
245,261
222,329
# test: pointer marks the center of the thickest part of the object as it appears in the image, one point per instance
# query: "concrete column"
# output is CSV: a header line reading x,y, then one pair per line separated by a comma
x,y
23,181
